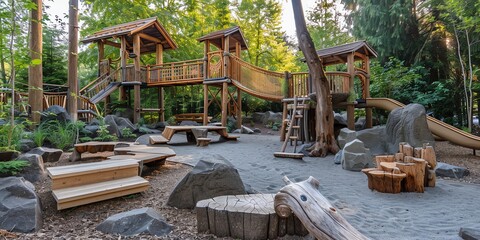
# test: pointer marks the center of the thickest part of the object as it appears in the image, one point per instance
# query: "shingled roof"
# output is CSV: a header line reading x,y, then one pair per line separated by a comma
x,y
149,26
339,54
216,37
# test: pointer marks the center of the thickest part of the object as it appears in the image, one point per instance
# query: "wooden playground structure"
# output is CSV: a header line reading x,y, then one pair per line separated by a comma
x,y
222,72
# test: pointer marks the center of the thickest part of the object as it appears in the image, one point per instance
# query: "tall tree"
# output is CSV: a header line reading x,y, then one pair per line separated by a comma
x,y
325,138
35,73
73,59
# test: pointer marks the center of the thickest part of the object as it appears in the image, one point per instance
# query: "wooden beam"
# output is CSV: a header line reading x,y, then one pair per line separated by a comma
x,y
101,55
113,44
224,103
136,51
205,104
351,90
35,72
239,108
149,38
123,57
159,54
161,104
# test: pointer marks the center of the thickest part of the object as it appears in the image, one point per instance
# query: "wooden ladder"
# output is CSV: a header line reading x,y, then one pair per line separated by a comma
x,y
293,131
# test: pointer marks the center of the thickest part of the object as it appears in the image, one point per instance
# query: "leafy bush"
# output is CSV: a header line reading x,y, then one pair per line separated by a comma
x,y
127,133
10,136
13,167
62,135
39,136
103,133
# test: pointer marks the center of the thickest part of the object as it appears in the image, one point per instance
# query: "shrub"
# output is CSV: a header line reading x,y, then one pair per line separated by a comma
x,y
62,135
13,167
127,133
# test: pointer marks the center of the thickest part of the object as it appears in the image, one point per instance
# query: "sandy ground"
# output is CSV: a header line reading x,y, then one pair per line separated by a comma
x,y
438,213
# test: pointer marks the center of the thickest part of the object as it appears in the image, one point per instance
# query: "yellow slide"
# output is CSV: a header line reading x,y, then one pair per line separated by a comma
x,y
438,128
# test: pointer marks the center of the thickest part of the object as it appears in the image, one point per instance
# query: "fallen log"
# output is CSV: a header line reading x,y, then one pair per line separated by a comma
x,y
316,213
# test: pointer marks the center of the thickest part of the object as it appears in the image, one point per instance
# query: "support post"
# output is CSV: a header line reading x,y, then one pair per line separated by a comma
x,y
224,103
123,64
161,104
136,103
35,73
101,56
351,89
239,108
368,111
205,104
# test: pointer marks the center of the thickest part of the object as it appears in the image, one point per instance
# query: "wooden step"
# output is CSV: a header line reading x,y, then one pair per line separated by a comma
x,y
296,127
87,173
299,116
293,137
80,195
157,139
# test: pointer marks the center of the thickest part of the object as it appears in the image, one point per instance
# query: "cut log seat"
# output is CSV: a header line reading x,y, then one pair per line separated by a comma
x,y
80,195
245,217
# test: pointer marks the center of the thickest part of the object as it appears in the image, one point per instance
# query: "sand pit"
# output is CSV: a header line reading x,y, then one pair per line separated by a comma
x,y
438,213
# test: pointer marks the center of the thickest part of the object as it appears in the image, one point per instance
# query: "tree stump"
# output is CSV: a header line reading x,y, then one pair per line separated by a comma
x,y
245,217
202,142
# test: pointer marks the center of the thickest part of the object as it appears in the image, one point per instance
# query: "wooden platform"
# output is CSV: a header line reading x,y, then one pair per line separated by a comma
x,y
80,184
169,131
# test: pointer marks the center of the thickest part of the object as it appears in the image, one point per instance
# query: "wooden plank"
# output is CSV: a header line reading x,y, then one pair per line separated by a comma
x,y
123,192
139,157
98,189
85,168
157,139
94,177
164,151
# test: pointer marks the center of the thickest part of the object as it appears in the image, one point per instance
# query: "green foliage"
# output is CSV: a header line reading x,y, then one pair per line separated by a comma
x,y
127,133
103,133
13,167
39,136
10,136
62,135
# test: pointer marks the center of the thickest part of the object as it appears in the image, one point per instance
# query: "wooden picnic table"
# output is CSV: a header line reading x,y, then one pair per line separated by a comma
x,y
169,131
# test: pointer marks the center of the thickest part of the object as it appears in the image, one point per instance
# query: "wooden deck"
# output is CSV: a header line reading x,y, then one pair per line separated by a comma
x,y
222,131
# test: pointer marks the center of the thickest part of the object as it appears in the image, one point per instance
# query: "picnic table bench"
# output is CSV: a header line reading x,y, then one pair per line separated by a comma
x,y
169,131
196,117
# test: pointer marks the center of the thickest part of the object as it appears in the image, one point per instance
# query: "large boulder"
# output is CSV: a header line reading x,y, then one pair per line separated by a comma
x,y
451,171
258,117
137,221
469,233
346,135
272,117
55,112
35,171
19,206
374,139
212,176
27,145
48,154
355,156
340,119
408,124
117,124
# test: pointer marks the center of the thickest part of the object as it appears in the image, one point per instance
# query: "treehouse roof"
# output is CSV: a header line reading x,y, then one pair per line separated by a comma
x,y
235,35
150,30
338,54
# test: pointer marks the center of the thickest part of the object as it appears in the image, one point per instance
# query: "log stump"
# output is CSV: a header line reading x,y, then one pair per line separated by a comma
x,y
245,217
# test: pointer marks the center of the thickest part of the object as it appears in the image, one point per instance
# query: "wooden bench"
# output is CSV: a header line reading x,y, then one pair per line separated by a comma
x,y
80,184
93,147
169,131
196,117
202,142
156,139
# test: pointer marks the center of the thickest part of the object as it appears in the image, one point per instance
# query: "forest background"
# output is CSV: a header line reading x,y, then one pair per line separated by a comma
x,y
428,50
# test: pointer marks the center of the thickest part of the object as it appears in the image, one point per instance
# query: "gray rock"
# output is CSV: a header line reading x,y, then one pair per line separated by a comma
x,y
374,139
257,130
346,135
258,117
19,206
272,117
238,131
125,112
48,154
36,170
26,145
355,156
158,125
408,124
189,123
451,171
148,130
247,130
125,123
91,130
137,221
340,119
338,157
55,112
469,233
360,123
112,127
212,176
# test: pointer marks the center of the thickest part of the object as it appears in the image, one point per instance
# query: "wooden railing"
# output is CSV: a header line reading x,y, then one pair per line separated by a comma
x,y
50,99
175,71
99,84
298,83
215,65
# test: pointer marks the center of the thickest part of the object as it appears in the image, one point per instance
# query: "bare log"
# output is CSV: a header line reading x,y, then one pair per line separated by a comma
x,y
316,213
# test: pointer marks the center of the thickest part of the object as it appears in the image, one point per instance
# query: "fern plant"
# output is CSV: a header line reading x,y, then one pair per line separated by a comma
x,y
13,167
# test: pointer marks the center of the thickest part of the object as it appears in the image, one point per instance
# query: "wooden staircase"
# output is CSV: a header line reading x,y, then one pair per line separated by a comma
x,y
293,130
80,184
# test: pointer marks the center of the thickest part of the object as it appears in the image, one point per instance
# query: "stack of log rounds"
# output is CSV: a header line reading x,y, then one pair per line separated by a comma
x,y
409,170
202,142
245,217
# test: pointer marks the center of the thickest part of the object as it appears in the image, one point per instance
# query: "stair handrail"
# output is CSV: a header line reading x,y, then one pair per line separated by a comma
x,y
105,79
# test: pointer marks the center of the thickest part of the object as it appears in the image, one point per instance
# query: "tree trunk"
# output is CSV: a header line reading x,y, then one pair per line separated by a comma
x,y
35,73
73,59
325,140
